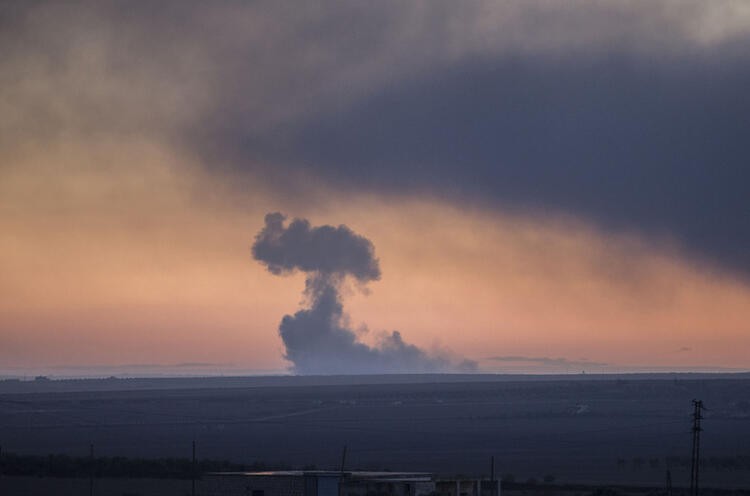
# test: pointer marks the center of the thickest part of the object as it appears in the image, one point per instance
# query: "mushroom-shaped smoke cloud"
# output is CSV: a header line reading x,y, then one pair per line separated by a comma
x,y
316,338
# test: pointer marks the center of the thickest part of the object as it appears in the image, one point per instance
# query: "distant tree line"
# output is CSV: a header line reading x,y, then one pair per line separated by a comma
x,y
117,466
738,462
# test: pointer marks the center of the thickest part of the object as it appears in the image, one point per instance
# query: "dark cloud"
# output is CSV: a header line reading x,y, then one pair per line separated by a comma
x,y
317,339
654,146
326,249
633,116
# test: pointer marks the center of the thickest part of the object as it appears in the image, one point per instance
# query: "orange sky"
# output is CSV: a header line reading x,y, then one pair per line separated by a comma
x,y
146,260
125,246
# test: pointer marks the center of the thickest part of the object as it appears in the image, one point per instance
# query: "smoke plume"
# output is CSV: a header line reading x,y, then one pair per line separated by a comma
x,y
317,338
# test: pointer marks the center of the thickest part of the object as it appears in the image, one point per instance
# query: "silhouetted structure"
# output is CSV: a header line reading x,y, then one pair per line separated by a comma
x,y
91,470
192,472
695,466
324,483
467,487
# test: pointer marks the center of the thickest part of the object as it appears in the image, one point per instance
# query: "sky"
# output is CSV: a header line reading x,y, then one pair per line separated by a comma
x,y
544,187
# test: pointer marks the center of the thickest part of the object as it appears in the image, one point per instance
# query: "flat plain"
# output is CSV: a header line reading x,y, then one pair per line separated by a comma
x,y
589,429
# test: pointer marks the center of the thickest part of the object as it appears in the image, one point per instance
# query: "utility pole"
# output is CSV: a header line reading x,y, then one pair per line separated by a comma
x,y
91,470
343,460
341,477
192,475
493,482
695,470
669,483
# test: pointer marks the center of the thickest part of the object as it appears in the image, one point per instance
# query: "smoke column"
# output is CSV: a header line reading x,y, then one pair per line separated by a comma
x,y
316,338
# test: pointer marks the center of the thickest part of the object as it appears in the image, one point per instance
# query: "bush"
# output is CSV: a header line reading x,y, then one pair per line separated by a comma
x,y
118,466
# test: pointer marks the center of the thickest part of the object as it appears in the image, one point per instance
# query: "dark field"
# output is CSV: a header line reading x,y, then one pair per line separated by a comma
x,y
589,429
